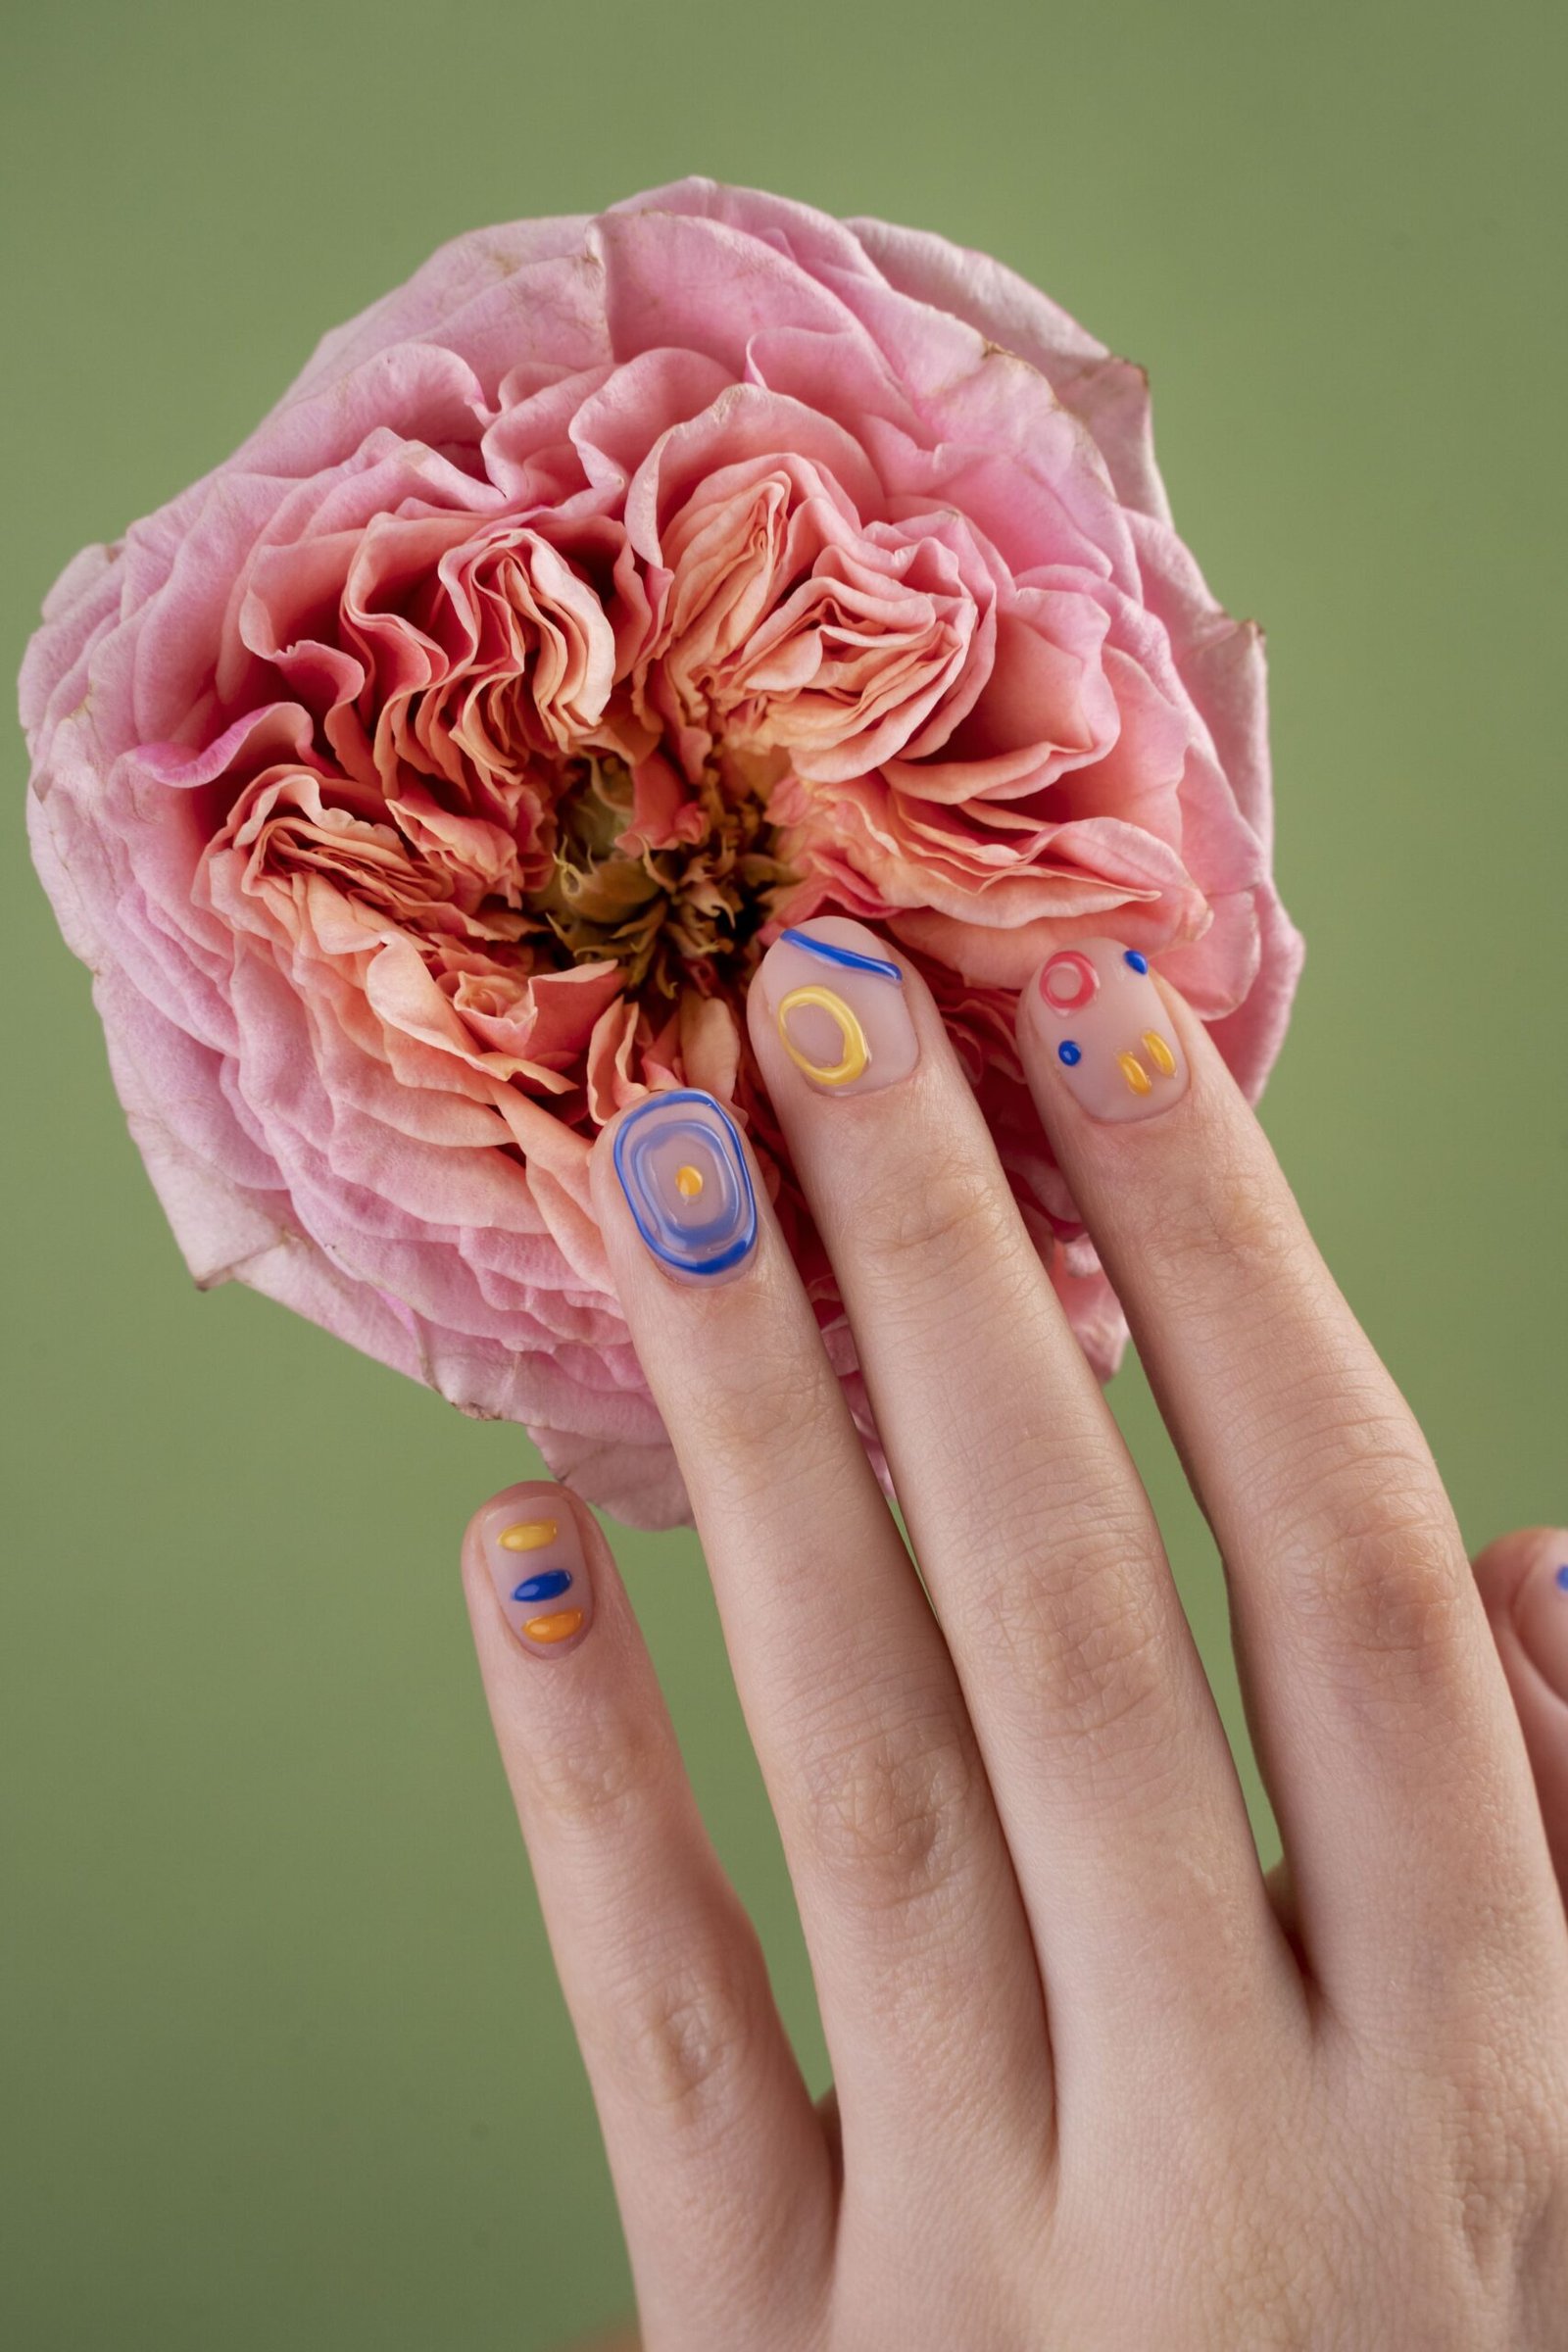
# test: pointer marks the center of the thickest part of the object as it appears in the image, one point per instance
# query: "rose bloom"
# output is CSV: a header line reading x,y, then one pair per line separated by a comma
x,y
423,785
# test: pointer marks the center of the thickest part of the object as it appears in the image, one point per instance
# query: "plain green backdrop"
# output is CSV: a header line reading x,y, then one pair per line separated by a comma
x,y
284,2060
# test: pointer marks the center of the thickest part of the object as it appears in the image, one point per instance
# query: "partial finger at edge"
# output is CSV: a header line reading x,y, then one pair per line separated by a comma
x,y
698,2094
1523,1580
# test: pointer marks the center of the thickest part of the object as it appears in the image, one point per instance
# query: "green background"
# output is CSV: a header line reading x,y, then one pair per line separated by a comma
x,y
284,2060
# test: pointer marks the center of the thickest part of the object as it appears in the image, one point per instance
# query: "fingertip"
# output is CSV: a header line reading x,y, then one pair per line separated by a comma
x,y
1098,1034
1505,1564
530,1569
835,1011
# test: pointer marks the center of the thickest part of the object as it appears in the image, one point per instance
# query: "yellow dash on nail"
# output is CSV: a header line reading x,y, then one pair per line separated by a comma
x,y
529,1534
688,1182
1133,1070
1159,1053
559,1626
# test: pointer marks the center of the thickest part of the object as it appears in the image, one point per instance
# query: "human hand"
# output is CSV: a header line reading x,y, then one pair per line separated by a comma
x,y
1098,2083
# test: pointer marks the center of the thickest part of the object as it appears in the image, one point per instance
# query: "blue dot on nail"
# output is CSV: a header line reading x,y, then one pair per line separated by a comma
x,y
1140,963
1068,1052
1562,1578
543,1586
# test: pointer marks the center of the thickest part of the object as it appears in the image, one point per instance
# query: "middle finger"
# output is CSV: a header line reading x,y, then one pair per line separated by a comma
x,y
1110,1768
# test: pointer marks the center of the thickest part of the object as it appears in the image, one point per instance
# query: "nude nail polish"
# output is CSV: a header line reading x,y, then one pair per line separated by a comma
x,y
1540,1615
1110,1037
683,1171
534,1551
836,999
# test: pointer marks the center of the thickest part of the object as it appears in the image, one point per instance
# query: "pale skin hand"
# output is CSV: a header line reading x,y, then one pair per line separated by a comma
x,y
1100,2086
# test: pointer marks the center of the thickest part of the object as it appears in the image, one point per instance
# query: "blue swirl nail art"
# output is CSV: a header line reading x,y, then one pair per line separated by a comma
x,y
844,958
543,1586
683,1172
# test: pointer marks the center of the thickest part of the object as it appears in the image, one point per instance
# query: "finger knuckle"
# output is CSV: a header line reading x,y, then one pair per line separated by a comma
x,y
678,2039
591,1784
1506,2102
1081,1638
1381,1582
1239,1223
891,1811
755,1406
941,1214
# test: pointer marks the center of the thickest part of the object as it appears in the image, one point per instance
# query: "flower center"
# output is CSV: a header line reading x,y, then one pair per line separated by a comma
x,y
686,910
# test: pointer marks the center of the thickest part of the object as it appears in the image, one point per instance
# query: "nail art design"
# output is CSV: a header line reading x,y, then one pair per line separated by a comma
x,y
839,1007
537,1558
1111,1036
684,1174
856,1057
847,960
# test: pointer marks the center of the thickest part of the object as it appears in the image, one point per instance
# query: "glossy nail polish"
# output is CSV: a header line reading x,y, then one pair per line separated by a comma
x,y
1105,1024
838,1004
535,1556
684,1174
1540,1614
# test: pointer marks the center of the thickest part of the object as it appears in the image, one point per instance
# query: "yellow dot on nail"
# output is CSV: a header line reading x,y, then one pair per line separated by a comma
x,y
1133,1070
688,1182
529,1534
1159,1053
559,1626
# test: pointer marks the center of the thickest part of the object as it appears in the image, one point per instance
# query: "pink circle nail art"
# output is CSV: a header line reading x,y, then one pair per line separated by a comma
x,y
1068,981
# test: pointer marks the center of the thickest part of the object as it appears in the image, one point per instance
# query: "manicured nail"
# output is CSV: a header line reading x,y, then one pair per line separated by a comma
x,y
838,1004
1107,1032
684,1174
1540,1615
535,1556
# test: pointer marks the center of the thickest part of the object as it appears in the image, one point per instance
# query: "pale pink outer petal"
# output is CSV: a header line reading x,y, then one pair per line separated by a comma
x,y
1109,395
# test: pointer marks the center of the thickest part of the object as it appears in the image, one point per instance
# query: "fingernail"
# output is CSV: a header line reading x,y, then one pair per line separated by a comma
x,y
534,1551
684,1174
1540,1615
837,1002
1109,1034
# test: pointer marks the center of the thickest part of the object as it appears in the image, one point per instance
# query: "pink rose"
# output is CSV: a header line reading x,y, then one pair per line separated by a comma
x,y
423,785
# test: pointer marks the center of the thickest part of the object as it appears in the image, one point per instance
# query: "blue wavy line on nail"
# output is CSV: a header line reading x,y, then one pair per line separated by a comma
x,y
543,1587
844,958
625,1154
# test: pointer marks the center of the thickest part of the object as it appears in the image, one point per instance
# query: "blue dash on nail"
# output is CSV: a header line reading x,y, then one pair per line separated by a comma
x,y
1140,963
844,958
1070,1053
1562,1578
543,1587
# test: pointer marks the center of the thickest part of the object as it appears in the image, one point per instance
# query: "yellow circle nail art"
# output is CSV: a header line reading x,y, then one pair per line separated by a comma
x,y
688,1182
857,1054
